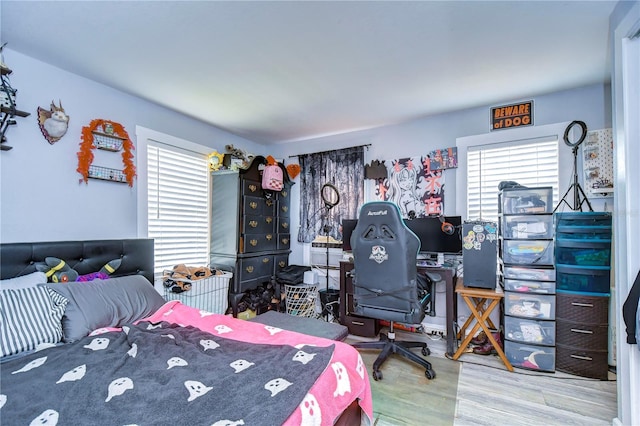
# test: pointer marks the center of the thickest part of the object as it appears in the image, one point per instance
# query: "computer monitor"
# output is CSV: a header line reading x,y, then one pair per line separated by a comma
x,y
428,230
433,239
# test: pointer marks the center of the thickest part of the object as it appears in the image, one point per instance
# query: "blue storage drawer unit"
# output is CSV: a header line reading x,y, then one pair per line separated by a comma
x,y
582,219
583,252
593,279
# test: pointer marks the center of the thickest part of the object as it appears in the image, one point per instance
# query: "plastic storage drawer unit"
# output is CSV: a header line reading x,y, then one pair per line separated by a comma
x,y
583,252
582,219
529,305
528,252
532,274
594,279
527,226
542,358
526,200
530,331
544,287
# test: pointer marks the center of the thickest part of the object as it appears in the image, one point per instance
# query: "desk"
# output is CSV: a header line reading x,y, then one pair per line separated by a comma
x,y
481,302
448,274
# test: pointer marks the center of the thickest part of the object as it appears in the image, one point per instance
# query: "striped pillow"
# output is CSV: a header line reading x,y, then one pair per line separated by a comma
x,y
28,317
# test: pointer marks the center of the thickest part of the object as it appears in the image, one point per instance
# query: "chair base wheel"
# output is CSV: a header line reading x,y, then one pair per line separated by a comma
x,y
430,374
377,375
426,351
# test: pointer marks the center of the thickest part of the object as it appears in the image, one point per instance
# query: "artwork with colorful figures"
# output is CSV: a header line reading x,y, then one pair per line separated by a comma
x,y
414,186
441,159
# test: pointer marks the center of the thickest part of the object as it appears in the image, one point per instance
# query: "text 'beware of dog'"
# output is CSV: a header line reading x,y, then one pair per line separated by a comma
x,y
514,115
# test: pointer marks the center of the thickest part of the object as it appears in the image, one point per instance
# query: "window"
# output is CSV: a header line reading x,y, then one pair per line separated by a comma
x,y
530,163
178,205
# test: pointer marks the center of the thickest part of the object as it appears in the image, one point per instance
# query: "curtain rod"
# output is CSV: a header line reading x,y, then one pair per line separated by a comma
x,y
323,152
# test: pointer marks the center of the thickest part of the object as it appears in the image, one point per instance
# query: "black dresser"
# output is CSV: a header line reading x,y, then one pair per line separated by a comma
x,y
250,228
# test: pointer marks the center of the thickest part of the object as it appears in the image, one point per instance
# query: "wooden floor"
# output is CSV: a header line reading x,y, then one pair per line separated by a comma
x,y
488,394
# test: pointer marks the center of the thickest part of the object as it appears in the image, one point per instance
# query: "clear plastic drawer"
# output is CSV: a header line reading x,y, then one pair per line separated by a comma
x,y
532,274
530,331
521,355
527,226
528,252
529,305
522,286
526,200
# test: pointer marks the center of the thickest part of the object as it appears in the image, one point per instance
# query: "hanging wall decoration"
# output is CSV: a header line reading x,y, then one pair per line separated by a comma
x,y
417,189
109,136
53,123
446,158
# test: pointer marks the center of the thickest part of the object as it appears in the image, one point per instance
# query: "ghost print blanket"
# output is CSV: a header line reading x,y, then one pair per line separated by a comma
x,y
157,373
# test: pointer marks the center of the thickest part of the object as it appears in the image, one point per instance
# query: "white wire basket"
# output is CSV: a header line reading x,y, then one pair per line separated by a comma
x,y
301,299
208,294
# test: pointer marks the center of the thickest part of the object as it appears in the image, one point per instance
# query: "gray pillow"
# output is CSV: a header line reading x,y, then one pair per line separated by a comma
x,y
105,303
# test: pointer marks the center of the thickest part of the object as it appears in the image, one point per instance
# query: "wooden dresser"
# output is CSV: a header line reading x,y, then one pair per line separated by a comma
x,y
250,228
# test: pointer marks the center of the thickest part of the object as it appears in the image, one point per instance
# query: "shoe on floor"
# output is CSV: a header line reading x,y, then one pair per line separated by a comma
x,y
480,339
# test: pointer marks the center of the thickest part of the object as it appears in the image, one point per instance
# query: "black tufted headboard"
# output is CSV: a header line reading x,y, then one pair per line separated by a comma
x,y
84,256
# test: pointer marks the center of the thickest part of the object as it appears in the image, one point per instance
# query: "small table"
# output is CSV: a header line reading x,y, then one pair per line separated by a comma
x,y
481,302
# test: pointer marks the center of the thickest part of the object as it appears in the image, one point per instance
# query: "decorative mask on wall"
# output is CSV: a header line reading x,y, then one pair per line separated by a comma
x,y
53,123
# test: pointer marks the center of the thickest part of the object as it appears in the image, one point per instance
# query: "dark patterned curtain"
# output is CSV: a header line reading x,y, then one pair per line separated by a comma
x,y
344,168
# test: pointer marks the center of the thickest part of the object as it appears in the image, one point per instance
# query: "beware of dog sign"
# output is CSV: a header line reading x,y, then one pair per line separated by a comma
x,y
514,115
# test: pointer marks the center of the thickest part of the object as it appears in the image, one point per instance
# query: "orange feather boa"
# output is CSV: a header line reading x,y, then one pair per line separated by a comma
x,y
85,155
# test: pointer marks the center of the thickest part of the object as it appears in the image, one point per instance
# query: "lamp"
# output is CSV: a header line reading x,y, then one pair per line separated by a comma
x,y
331,198
579,197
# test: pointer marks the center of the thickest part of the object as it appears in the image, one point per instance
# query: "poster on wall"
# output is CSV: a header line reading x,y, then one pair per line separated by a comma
x,y
414,186
446,158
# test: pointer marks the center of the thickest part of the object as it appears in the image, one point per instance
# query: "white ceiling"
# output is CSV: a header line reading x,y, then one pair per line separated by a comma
x,y
276,71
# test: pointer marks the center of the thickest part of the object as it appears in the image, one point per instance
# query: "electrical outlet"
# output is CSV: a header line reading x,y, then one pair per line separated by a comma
x,y
434,329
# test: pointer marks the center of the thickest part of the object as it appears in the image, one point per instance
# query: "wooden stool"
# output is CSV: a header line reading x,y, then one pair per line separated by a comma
x,y
481,302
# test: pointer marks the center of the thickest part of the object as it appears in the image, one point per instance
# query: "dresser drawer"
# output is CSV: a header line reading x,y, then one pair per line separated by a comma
x,y
258,206
284,225
281,261
283,208
254,268
254,243
585,336
582,309
284,241
585,363
252,224
252,188
362,326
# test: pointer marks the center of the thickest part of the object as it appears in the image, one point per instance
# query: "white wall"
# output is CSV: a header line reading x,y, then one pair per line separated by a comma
x,y
591,104
41,198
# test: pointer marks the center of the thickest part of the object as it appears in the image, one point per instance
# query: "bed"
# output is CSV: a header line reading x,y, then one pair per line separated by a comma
x,y
116,353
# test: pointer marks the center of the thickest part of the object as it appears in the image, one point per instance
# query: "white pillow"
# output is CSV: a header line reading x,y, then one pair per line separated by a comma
x,y
29,317
24,281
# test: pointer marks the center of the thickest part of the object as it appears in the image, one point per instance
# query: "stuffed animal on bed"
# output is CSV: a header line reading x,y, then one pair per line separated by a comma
x,y
58,271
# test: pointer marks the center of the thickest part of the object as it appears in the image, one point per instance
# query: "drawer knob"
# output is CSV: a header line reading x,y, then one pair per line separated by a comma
x,y
268,219
584,305
285,209
253,242
253,188
284,193
282,264
576,330
357,323
253,223
269,237
285,241
249,269
265,260
253,205
285,225
269,203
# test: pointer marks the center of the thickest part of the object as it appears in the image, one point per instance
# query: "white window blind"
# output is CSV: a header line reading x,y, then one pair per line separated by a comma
x,y
178,206
530,163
